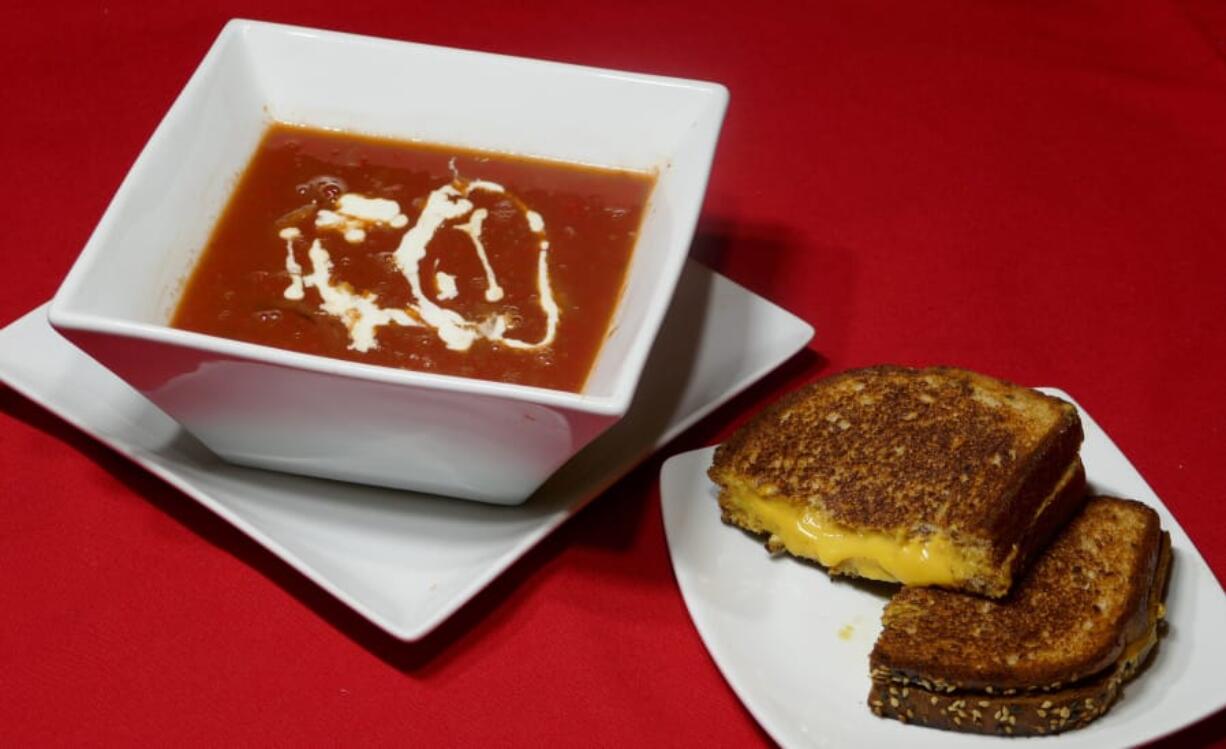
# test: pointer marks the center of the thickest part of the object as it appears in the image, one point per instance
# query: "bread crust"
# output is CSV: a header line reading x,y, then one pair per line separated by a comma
x,y
911,452
1028,712
1033,702
1048,522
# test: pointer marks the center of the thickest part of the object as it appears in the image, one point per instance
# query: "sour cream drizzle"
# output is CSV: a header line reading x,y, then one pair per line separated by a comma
x,y
443,204
355,214
493,292
445,283
552,313
294,290
359,312
362,315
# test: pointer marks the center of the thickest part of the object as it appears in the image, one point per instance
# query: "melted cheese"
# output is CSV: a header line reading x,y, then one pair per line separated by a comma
x,y
910,559
807,532
1139,648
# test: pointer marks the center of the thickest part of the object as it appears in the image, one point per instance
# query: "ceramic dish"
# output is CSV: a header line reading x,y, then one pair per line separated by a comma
x,y
402,560
794,643
260,406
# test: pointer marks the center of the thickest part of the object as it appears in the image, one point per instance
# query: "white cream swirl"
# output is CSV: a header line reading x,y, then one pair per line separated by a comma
x,y
355,214
361,313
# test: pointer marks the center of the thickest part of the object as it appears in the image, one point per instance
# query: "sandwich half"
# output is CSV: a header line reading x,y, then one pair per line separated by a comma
x,y
939,477
1050,657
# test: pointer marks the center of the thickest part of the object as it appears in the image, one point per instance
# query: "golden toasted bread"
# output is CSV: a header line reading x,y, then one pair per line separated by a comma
x,y
922,476
1049,657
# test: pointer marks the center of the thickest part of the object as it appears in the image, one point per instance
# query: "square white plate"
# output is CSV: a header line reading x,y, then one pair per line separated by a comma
x,y
794,643
406,561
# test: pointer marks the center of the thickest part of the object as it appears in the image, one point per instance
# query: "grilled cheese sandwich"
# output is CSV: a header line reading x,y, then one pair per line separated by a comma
x,y
1050,657
896,556
926,477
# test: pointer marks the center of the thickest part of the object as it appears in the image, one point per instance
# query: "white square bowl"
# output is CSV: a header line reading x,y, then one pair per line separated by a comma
x,y
287,411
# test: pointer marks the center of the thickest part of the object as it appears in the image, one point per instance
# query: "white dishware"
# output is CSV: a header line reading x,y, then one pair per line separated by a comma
x,y
794,642
283,410
407,561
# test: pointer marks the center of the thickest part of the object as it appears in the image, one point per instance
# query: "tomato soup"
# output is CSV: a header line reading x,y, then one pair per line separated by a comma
x,y
423,257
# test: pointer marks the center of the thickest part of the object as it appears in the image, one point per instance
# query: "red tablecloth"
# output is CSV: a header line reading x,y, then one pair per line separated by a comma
x,y
1037,191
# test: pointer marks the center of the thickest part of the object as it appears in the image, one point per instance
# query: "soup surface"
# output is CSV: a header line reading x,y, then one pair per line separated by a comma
x,y
418,256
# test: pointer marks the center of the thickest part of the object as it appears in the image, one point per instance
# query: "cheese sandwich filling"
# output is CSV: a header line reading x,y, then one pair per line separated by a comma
x,y
901,556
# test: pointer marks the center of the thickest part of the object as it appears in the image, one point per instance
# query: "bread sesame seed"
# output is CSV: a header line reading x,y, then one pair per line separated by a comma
x,y
893,702
1046,704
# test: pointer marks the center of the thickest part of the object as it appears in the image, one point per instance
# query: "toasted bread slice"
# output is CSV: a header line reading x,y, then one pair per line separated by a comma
x,y
926,477
1052,655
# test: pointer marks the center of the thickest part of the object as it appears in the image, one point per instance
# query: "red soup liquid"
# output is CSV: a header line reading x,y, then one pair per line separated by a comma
x,y
423,257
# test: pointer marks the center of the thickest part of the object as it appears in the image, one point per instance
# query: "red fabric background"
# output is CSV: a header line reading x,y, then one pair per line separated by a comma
x,y
1037,191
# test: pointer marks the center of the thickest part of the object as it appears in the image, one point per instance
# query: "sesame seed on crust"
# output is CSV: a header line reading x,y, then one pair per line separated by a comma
x,y
1025,713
